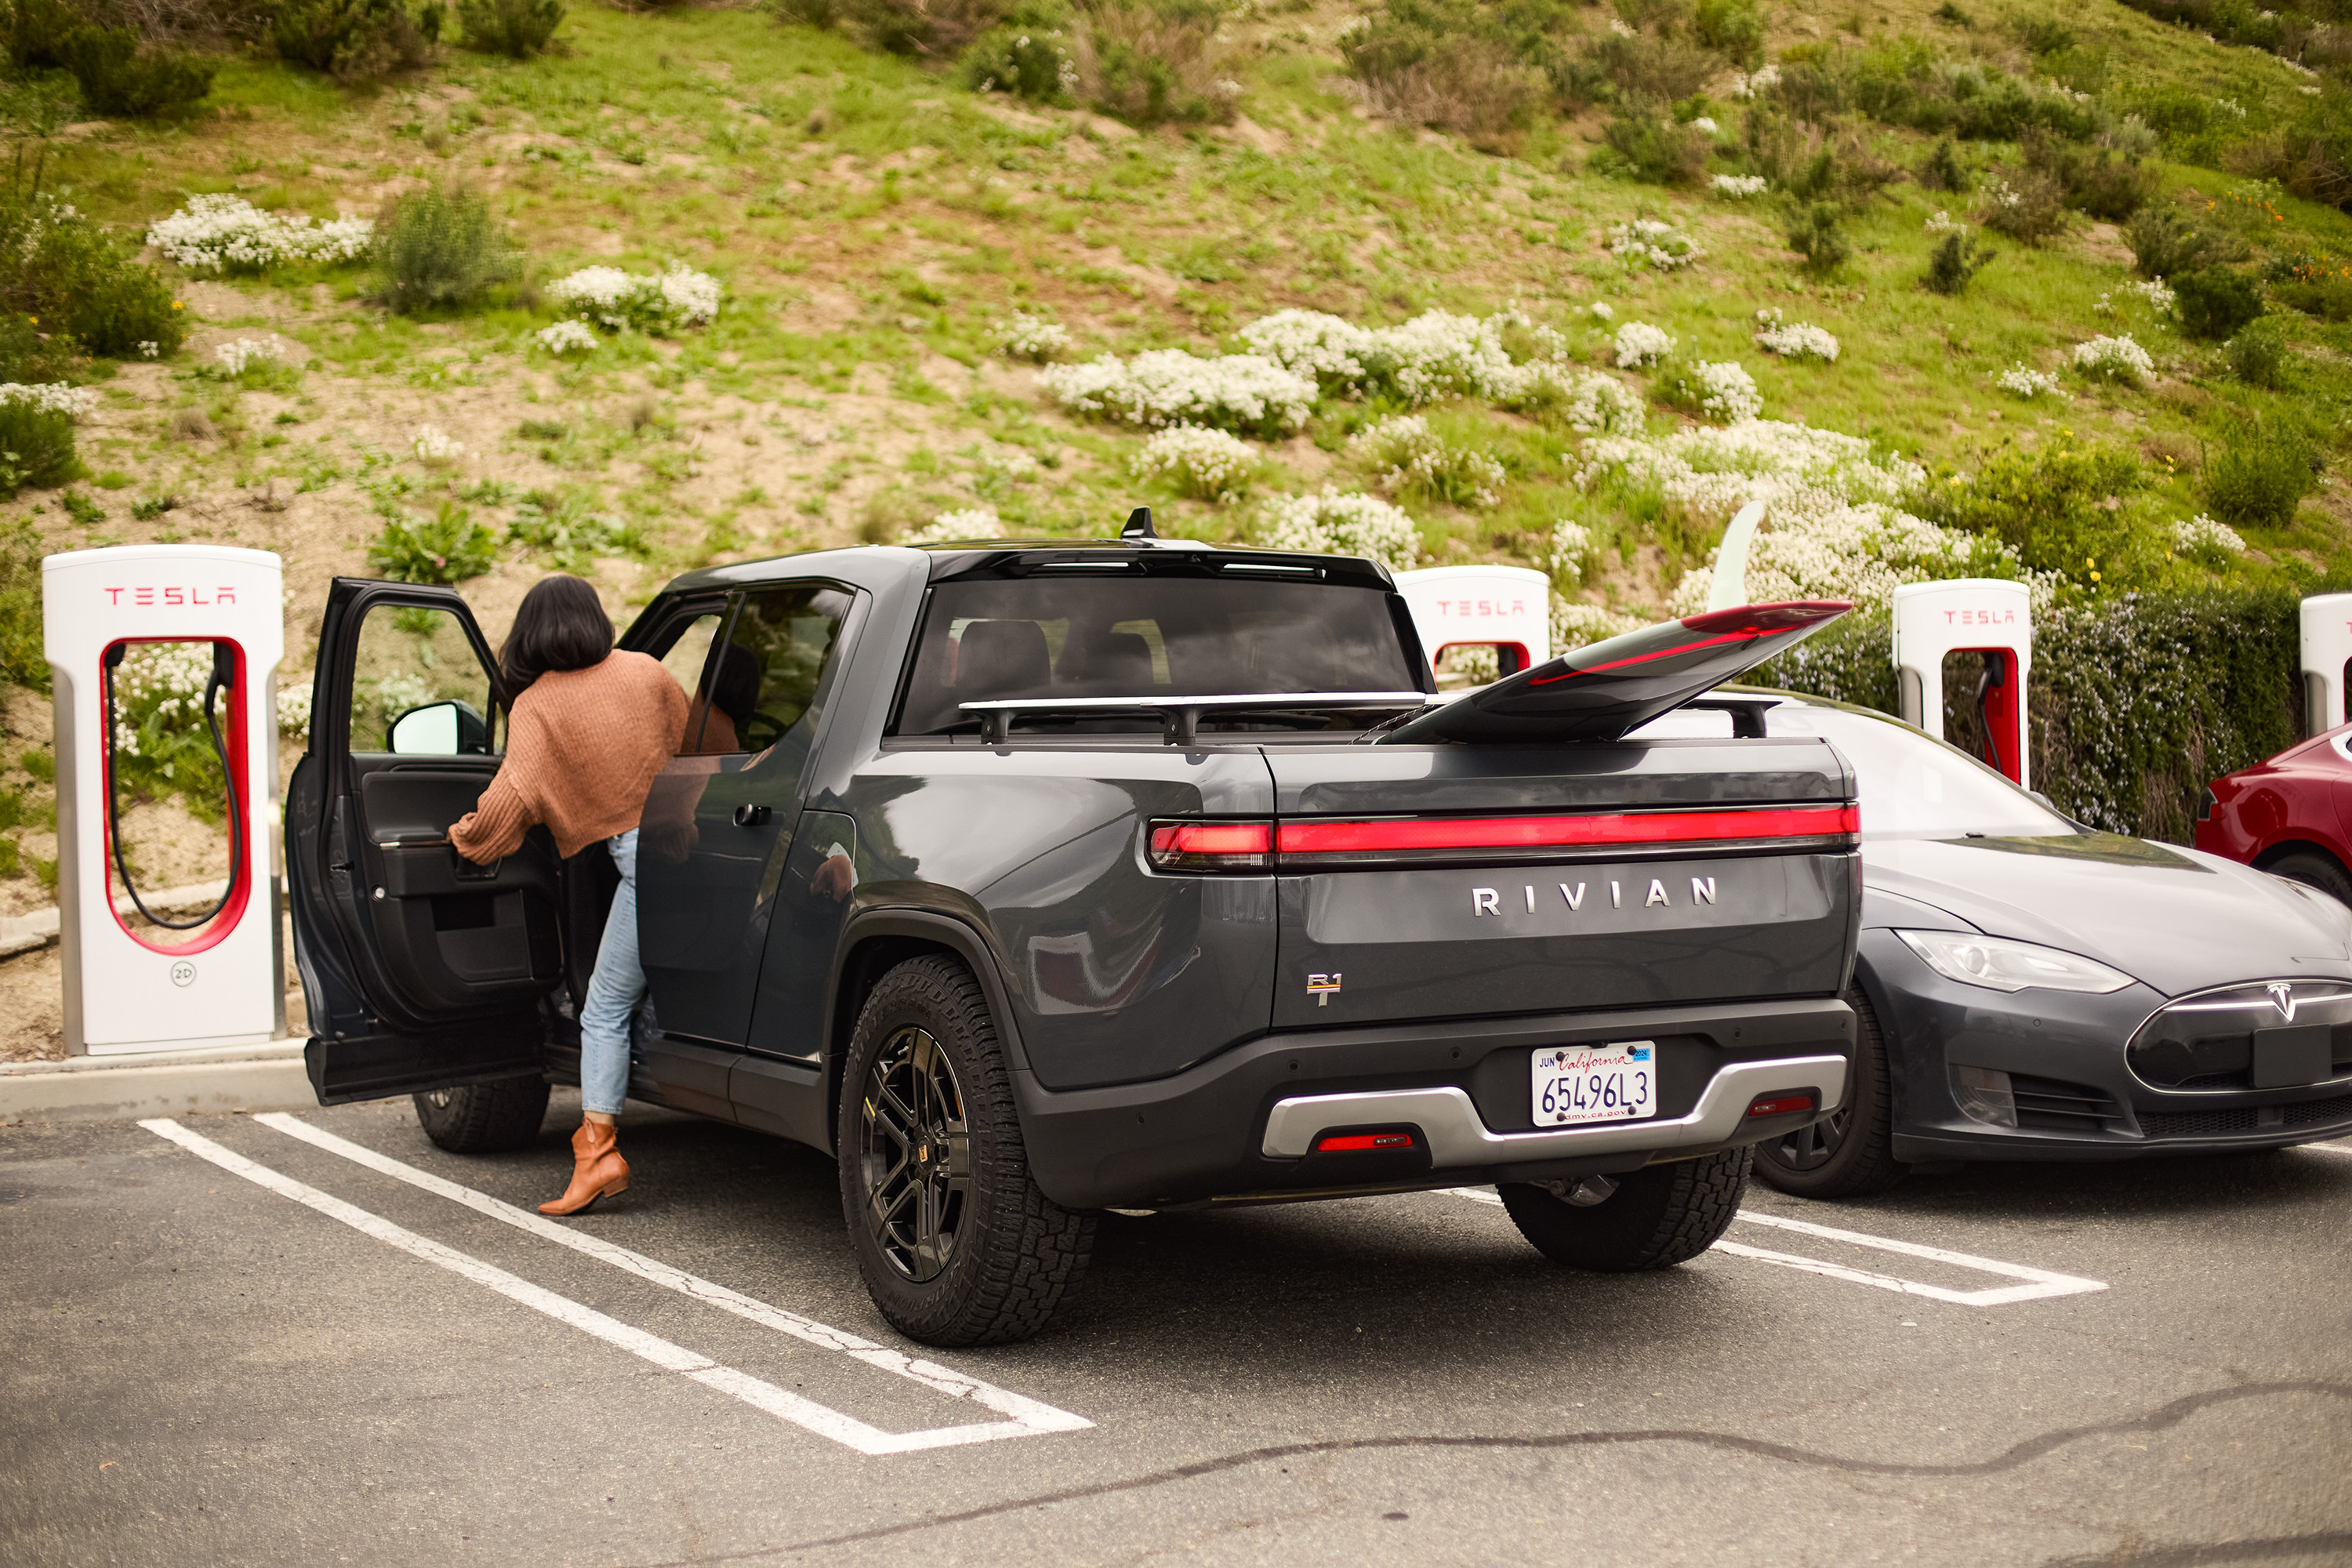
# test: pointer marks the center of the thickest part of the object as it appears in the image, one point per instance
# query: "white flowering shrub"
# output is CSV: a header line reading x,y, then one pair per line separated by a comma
x,y
294,709
1210,465
1941,223
2020,381
1721,390
1600,312
665,301
1032,338
1647,242
1169,386
2209,542
1593,404
254,361
1739,187
1576,625
566,337
2113,359
1413,458
222,234
52,397
1506,358
1639,344
1571,548
969,522
1833,524
1750,84
2154,293
1794,340
1010,463
435,446
1332,523
1704,123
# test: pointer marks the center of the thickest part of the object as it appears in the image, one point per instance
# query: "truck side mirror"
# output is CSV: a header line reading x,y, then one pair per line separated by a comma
x,y
439,730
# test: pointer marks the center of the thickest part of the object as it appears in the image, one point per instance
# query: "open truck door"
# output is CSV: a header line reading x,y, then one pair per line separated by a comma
x,y
423,971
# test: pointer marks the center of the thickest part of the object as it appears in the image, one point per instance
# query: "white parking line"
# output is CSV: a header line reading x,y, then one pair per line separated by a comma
x,y
1029,1417
2040,1283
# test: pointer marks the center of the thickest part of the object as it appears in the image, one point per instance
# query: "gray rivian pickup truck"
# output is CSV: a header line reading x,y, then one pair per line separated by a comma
x,y
1033,879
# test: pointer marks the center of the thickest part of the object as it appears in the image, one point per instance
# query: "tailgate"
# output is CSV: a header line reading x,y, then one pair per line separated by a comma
x,y
1449,881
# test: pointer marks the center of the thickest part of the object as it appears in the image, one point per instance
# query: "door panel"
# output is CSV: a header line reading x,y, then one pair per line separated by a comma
x,y
421,969
812,902
718,827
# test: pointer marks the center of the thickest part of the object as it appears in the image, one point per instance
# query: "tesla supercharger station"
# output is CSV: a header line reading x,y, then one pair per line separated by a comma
x,y
172,984
1505,607
2327,649
1968,615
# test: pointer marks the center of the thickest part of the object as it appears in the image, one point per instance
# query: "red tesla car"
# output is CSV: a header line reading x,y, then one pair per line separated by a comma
x,y
2292,815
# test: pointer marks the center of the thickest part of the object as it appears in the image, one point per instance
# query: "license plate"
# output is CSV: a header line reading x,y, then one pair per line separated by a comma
x,y
1615,1082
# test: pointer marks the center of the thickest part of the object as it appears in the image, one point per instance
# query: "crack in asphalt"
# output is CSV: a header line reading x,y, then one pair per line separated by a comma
x,y
2031,1449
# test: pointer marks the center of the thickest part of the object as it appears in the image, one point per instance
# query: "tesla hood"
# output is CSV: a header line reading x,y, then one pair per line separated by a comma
x,y
1604,692
2175,919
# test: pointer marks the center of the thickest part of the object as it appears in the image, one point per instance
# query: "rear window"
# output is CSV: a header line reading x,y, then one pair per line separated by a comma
x,y
1150,637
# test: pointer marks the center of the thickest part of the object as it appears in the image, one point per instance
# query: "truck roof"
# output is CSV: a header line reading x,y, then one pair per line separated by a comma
x,y
1024,557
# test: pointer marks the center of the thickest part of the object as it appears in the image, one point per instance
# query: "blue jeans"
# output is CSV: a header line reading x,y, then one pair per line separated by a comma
x,y
614,992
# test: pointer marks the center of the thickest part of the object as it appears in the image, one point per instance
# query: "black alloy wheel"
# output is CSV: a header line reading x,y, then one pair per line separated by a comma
x,y
1851,1150
956,1242
916,1155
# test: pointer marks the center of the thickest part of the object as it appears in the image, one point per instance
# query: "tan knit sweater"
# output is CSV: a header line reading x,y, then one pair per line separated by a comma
x,y
582,748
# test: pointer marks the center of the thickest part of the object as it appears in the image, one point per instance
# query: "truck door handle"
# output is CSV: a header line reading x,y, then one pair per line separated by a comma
x,y
750,815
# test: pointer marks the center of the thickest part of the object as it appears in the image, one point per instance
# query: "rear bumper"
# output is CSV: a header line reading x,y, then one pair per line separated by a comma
x,y
1239,1127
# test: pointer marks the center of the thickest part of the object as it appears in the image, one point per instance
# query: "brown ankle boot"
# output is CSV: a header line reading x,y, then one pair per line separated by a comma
x,y
597,1169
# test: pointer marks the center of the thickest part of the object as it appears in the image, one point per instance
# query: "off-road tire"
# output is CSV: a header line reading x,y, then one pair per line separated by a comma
x,y
483,1118
2315,871
1016,1254
1658,1217
1852,1152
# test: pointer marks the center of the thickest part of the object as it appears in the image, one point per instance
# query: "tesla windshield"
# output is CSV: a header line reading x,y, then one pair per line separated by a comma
x,y
1055,636
1912,786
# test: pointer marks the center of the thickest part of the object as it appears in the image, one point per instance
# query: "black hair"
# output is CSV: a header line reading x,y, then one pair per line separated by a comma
x,y
561,625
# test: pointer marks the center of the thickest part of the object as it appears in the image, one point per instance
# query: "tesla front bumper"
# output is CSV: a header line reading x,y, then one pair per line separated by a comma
x,y
2073,1093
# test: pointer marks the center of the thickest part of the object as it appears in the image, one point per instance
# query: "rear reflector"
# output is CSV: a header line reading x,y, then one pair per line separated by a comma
x,y
1211,846
1349,1142
1456,835
1779,1104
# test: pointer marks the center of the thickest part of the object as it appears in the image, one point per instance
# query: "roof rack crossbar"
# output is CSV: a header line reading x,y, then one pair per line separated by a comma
x,y
1182,714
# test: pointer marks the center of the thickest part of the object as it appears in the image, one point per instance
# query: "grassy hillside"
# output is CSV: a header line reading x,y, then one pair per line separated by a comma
x,y
877,225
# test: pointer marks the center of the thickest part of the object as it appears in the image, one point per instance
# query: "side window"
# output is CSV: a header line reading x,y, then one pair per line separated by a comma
x,y
418,689
769,673
689,663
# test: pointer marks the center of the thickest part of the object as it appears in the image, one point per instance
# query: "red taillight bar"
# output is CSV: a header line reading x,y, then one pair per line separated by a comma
x,y
1211,839
1546,832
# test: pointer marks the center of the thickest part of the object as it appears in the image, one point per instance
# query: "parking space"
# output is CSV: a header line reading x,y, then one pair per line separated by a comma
x,y
317,1339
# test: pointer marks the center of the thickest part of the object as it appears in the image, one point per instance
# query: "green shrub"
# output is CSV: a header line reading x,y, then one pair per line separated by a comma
x,y
37,447
1151,62
350,40
2096,180
1482,71
569,532
1028,62
118,78
2165,243
516,28
1655,66
927,29
2042,36
22,661
1952,16
2257,480
1814,234
2029,209
448,547
1944,170
71,275
2257,354
1955,263
2214,303
1732,28
439,246
2063,508
1645,145
81,509
27,355
35,31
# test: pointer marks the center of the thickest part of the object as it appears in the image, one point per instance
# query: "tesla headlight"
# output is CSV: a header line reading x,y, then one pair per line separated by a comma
x,y
1999,964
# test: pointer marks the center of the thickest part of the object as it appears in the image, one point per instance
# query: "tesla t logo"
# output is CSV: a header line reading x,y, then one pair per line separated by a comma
x,y
172,596
1322,987
2283,998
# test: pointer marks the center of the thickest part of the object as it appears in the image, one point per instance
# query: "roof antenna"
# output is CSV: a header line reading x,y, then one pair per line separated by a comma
x,y
1139,525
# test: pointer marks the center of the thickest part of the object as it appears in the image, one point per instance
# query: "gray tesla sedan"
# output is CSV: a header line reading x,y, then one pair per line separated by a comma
x,y
2033,989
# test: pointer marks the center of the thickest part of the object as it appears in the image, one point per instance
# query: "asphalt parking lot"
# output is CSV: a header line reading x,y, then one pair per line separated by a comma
x,y
319,1339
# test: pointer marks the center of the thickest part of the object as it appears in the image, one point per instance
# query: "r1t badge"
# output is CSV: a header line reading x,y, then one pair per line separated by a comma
x,y
1322,986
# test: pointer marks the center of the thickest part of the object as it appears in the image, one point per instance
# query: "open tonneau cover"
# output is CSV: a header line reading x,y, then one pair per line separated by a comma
x,y
1604,692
